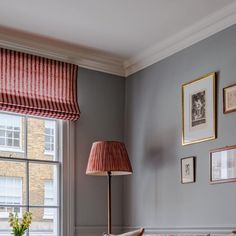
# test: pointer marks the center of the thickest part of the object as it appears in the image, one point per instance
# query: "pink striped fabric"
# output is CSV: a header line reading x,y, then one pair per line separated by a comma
x,y
37,86
108,156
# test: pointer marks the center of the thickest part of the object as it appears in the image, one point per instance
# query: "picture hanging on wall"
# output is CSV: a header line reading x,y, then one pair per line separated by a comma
x,y
229,99
198,110
223,165
188,170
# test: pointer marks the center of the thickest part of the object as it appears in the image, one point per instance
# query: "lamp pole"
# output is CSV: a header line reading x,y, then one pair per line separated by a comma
x,y
108,158
109,200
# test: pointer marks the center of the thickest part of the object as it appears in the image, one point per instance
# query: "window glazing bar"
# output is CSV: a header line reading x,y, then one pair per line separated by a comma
x,y
29,206
16,159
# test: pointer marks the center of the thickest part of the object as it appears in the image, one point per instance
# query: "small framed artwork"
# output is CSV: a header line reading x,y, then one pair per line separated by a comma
x,y
199,110
223,165
229,99
188,170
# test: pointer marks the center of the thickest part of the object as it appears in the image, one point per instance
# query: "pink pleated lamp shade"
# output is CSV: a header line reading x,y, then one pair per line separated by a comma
x,y
108,156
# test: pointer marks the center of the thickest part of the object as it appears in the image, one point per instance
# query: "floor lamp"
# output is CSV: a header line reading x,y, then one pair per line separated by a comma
x,y
108,158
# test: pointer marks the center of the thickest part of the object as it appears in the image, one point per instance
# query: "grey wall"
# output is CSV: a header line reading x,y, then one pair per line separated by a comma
x,y
101,99
153,195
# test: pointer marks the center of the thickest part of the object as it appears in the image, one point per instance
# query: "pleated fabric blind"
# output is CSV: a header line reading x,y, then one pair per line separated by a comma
x,y
38,86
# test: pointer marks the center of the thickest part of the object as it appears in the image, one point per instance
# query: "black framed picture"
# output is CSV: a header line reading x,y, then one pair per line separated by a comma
x,y
188,170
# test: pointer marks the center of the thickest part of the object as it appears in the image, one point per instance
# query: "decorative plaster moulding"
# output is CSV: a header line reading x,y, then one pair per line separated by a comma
x,y
59,50
203,29
101,61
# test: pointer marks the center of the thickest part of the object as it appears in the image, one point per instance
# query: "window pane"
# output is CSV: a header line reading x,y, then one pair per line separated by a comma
x,y
2,141
50,131
44,226
16,143
5,229
12,184
11,129
47,147
9,133
47,130
9,142
43,180
47,139
37,135
17,135
2,133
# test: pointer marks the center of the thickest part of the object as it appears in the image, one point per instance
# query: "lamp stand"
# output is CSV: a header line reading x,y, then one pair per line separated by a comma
x,y
109,200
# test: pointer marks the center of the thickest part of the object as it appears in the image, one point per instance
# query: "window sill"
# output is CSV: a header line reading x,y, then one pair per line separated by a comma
x,y
4,149
48,217
6,216
49,153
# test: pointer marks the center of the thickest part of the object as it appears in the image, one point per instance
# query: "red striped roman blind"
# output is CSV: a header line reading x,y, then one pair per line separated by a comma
x,y
37,86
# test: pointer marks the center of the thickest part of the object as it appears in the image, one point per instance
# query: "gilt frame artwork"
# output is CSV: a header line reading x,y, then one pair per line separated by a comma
x,y
199,110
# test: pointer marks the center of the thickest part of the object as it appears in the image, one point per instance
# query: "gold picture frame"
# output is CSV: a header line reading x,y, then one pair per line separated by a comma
x,y
199,110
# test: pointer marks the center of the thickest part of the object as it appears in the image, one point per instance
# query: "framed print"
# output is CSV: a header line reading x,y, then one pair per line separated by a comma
x,y
188,170
198,110
223,165
229,99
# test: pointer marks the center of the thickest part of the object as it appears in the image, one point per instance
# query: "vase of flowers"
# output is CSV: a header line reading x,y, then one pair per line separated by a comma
x,y
20,226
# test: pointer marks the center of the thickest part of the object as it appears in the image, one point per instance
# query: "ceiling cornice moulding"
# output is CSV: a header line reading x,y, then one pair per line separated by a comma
x,y
58,50
203,29
104,62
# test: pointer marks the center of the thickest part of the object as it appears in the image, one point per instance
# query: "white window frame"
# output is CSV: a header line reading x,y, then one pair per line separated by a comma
x,y
6,214
27,161
67,141
13,149
47,214
47,125
66,154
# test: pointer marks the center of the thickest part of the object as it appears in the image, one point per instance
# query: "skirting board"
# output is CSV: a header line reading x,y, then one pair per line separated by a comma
x,y
176,231
95,230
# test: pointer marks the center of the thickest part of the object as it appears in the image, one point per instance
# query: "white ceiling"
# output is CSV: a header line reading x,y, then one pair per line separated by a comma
x,y
120,28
